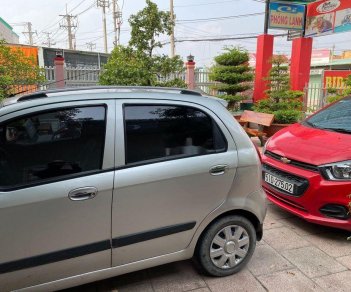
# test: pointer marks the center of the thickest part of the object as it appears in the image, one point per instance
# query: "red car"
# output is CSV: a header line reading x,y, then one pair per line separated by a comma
x,y
307,167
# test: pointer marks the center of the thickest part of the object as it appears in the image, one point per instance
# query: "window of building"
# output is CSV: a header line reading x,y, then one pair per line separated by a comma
x,y
163,131
51,144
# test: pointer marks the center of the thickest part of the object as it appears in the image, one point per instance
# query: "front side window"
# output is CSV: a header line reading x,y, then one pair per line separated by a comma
x,y
51,144
167,131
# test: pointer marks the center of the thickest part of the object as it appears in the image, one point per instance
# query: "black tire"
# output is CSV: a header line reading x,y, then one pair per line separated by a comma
x,y
235,258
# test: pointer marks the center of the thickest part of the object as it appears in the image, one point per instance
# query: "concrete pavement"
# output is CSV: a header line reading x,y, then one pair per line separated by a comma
x,y
293,256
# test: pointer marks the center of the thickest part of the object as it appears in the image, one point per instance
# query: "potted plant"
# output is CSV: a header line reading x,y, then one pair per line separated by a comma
x,y
284,103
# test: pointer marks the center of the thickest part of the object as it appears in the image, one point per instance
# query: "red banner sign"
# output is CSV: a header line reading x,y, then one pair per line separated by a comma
x,y
321,56
327,17
335,78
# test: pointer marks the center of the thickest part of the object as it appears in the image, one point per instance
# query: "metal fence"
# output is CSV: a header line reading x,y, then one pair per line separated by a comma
x,y
203,82
316,97
74,77
79,77
178,75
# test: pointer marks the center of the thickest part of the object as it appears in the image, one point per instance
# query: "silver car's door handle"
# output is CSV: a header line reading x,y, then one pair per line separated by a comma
x,y
82,194
218,169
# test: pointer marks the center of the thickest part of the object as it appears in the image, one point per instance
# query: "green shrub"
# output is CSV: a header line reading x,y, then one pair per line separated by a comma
x,y
233,73
287,116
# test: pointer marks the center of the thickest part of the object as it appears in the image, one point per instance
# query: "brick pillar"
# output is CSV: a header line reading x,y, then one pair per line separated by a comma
x,y
190,73
300,63
264,55
59,62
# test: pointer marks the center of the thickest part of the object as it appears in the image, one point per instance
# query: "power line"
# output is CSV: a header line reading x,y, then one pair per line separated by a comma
x,y
205,4
95,38
70,23
104,4
30,33
222,39
192,29
117,21
46,28
87,9
91,46
49,41
220,18
248,34
75,7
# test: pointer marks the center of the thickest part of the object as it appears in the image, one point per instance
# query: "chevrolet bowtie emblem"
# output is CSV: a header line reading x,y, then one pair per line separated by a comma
x,y
285,160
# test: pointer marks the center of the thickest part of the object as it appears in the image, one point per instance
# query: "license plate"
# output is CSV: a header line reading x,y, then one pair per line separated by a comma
x,y
279,183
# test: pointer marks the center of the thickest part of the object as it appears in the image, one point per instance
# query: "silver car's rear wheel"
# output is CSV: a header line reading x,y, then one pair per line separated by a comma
x,y
229,247
226,246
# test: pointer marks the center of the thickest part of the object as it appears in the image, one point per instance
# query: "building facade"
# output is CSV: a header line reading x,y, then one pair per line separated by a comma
x,y
7,33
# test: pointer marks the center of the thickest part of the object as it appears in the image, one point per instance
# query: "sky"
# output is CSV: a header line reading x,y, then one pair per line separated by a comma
x,y
192,22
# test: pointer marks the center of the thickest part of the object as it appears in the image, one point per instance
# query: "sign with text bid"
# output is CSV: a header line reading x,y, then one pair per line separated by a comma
x,y
335,78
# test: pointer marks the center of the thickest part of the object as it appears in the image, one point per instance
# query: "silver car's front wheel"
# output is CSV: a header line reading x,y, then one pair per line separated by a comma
x,y
226,246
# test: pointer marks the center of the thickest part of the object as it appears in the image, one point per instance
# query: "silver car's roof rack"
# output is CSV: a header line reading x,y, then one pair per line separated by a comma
x,y
47,93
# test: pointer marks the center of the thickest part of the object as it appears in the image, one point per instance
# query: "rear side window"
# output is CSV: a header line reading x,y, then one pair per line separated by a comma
x,y
163,131
51,144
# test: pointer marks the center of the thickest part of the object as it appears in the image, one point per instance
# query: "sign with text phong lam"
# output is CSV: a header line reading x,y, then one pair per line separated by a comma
x,y
287,16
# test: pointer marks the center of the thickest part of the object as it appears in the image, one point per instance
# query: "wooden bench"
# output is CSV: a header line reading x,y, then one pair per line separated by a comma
x,y
260,119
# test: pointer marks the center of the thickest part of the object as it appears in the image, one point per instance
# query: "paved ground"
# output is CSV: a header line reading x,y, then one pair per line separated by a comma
x,y
293,256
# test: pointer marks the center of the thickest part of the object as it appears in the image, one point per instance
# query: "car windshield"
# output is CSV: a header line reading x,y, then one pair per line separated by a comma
x,y
334,118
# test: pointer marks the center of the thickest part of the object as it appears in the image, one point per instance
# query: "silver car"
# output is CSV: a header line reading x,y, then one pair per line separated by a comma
x,y
100,182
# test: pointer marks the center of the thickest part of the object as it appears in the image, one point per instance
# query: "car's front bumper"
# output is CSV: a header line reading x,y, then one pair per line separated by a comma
x,y
319,193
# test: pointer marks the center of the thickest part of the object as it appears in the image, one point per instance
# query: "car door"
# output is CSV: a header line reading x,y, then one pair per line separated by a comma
x,y
175,165
56,181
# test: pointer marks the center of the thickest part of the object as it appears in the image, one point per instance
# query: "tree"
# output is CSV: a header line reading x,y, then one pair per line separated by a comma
x,y
283,102
16,69
147,25
125,67
234,74
136,64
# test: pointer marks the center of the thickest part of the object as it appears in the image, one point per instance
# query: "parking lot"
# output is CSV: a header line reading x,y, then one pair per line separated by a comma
x,y
293,256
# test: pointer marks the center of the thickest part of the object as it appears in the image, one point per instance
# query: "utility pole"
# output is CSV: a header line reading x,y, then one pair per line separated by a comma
x,y
49,41
117,22
266,18
172,33
91,46
69,23
74,41
29,32
104,4
332,57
